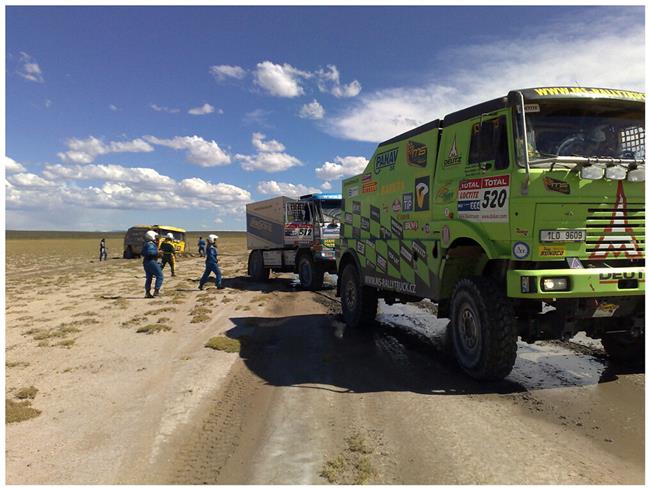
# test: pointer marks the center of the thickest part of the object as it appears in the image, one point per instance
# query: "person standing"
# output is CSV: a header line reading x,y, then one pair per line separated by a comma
x,y
150,263
211,263
201,247
103,252
168,253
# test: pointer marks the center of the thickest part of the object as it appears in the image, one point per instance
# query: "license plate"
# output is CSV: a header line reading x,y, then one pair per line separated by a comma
x,y
562,235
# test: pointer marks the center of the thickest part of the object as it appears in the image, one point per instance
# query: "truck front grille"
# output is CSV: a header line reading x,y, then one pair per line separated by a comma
x,y
616,231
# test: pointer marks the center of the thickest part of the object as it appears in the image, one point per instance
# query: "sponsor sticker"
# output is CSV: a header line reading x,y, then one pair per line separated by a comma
x,y
329,243
546,251
397,206
387,159
484,199
446,235
407,202
393,259
390,284
356,232
419,249
361,247
370,243
353,191
396,227
393,187
381,263
555,185
348,218
422,193
605,310
365,223
521,231
416,154
384,233
375,213
453,157
520,250
356,207
411,225
368,187
444,194
405,254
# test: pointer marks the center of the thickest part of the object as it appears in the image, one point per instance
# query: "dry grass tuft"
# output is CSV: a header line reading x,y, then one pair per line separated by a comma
x,y
153,328
26,393
352,466
224,344
67,343
19,411
14,364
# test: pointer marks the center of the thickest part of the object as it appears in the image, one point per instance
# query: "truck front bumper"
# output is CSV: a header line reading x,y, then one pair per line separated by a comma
x,y
576,283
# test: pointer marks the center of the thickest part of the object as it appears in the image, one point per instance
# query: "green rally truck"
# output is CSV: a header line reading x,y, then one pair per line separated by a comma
x,y
521,216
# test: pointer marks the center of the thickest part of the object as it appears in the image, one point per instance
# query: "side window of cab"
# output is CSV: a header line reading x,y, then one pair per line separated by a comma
x,y
489,144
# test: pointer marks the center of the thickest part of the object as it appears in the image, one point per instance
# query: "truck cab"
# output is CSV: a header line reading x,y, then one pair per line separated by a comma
x,y
294,235
521,217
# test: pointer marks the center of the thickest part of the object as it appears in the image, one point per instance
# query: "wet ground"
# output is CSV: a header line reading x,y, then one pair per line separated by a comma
x,y
307,386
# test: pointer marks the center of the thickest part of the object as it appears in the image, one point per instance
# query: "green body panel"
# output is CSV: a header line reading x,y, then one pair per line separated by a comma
x,y
499,210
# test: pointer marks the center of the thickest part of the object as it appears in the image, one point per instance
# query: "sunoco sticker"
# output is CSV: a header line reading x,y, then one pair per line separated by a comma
x,y
484,199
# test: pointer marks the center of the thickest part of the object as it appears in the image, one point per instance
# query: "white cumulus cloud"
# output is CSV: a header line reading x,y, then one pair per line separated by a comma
x,y
162,108
563,52
280,80
312,110
199,151
12,166
26,179
329,80
273,188
222,72
86,150
268,162
266,146
341,167
144,177
201,110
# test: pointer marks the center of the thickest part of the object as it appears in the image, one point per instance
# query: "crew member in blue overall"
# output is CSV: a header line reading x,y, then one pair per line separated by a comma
x,y
211,263
201,247
150,263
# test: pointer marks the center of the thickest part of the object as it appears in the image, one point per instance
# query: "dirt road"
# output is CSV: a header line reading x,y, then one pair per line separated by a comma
x,y
305,400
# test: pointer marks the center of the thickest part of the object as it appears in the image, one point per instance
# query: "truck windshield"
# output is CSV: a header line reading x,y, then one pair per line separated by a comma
x,y
329,210
585,128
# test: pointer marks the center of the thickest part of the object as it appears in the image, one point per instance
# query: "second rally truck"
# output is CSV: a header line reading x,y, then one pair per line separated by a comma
x,y
521,217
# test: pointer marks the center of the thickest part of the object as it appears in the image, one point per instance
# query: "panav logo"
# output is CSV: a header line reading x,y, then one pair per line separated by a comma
x,y
618,229
422,193
387,159
453,157
416,154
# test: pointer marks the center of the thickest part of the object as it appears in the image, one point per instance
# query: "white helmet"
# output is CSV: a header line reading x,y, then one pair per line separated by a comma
x,y
170,235
150,236
212,238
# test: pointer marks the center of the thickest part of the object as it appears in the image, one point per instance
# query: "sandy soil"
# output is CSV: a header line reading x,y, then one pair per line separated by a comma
x,y
304,401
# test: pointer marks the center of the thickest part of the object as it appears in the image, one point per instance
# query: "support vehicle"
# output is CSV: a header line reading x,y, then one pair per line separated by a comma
x,y
523,216
134,238
294,235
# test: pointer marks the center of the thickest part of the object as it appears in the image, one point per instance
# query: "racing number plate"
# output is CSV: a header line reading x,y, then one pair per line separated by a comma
x,y
562,235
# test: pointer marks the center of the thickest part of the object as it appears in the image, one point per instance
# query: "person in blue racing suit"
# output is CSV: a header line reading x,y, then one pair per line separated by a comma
x,y
150,263
211,263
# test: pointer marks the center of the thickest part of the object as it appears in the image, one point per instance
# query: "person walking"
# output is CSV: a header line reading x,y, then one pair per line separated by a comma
x,y
201,247
103,252
168,253
150,263
211,263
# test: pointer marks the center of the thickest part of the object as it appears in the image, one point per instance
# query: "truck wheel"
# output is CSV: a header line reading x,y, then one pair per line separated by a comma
x,y
310,273
128,253
359,303
256,267
483,329
625,349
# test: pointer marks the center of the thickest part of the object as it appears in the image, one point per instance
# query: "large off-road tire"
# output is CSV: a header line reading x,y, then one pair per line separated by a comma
x,y
128,253
358,302
483,329
625,349
310,273
256,267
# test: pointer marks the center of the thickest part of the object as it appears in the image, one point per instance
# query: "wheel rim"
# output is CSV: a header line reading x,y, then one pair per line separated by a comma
x,y
305,273
350,295
468,335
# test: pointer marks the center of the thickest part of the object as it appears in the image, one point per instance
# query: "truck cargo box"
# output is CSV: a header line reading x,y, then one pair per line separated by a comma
x,y
278,223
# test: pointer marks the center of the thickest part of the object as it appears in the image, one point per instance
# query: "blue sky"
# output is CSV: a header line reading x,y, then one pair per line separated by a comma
x,y
123,115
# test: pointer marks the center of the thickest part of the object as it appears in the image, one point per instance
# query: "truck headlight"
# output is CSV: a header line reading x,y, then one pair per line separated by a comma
x,y
555,284
637,175
592,172
616,172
